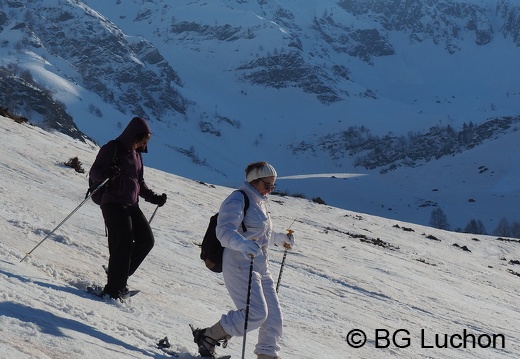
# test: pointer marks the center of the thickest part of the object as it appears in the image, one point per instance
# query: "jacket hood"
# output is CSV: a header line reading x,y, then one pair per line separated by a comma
x,y
137,126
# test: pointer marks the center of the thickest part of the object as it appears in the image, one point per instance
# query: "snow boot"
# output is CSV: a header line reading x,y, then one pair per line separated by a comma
x,y
121,294
265,356
208,338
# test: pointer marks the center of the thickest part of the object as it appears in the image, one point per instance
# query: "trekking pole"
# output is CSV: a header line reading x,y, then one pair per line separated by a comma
x,y
287,247
66,218
248,301
153,214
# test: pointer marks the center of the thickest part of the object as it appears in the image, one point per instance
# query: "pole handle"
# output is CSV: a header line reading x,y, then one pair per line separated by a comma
x,y
286,245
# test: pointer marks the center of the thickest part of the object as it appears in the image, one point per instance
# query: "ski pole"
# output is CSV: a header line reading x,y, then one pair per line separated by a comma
x,y
283,262
153,214
287,247
248,301
66,218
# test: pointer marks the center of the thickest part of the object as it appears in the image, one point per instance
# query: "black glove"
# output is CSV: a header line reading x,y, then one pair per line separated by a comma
x,y
159,200
111,172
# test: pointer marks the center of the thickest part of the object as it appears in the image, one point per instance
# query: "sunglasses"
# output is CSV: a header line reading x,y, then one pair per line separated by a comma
x,y
267,185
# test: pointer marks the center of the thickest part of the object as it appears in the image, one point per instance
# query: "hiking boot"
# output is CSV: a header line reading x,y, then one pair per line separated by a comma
x,y
265,356
208,338
121,294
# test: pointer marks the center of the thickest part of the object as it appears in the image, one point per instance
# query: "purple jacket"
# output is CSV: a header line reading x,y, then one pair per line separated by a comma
x,y
129,184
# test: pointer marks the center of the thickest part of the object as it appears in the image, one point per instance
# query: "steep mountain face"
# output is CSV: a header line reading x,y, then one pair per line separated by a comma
x,y
24,95
444,22
126,72
133,75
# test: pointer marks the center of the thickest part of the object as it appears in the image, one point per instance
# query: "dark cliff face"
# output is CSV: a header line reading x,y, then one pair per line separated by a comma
x,y
510,13
444,23
131,74
21,95
436,20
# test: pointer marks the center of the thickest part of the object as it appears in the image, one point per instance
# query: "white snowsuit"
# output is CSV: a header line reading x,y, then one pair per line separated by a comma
x,y
264,310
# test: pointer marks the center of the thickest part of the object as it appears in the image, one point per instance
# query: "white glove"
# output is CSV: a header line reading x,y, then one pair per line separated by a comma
x,y
289,241
249,248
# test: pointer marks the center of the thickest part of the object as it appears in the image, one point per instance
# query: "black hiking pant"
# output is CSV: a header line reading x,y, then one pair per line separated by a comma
x,y
130,239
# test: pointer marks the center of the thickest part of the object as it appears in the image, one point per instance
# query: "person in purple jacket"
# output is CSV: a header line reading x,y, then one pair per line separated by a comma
x,y
130,237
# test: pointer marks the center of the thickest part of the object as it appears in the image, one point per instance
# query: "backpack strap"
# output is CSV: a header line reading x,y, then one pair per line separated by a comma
x,y
115,156
246,206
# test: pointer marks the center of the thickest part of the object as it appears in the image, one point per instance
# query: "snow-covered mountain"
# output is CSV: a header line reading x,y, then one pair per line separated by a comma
x,y
422,96
416,292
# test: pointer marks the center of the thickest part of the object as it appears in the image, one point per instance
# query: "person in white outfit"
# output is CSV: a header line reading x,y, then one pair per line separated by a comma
x,y
265,312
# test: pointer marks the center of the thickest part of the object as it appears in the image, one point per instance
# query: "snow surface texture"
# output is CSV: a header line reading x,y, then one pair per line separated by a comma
x,y
347,271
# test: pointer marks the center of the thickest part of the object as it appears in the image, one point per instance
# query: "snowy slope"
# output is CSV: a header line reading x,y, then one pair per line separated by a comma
x,y
416,282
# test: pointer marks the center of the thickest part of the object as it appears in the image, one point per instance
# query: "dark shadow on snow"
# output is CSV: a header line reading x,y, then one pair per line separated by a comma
x,y
52,324
61,288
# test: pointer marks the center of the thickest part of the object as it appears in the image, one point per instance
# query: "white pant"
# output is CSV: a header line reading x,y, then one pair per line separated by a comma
x,y
264,309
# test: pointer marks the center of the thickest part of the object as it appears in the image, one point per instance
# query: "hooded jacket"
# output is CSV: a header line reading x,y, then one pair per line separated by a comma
x,y
129,184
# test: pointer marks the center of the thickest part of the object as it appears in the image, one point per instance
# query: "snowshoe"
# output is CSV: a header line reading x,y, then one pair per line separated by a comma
x,y
98,291
205,343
